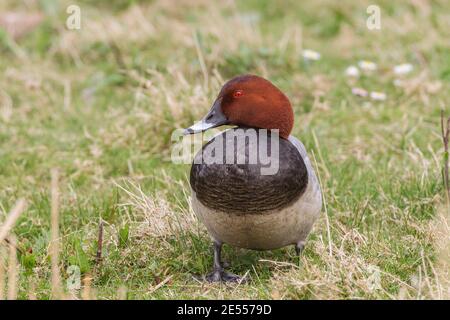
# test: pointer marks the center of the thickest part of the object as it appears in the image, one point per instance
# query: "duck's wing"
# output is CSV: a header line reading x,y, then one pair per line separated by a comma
x,y
314,186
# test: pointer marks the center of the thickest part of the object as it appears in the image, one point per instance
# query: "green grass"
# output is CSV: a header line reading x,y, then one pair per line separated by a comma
x,y
100,104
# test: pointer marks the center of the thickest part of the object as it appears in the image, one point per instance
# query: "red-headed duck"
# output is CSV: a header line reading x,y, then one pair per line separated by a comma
x,y
239,203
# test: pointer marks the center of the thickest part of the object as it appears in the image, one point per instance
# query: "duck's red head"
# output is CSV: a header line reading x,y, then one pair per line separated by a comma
x,y
250,101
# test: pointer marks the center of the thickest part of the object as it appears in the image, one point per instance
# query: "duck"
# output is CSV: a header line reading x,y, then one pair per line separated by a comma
x,y
269,199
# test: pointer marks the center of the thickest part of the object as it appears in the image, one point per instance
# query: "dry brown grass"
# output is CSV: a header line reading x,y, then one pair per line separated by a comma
x,y
153,215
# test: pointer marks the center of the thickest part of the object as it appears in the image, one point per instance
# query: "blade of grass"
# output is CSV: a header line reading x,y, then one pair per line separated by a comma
x,y
54,235
15,213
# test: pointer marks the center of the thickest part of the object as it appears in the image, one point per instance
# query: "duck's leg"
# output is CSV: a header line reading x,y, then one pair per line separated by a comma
x,y
219,274
299,246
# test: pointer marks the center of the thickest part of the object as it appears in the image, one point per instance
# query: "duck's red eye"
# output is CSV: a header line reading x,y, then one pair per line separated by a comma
x,y
238,93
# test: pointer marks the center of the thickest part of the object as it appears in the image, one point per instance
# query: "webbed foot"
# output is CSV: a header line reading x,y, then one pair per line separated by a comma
x,y
299,247
219,274
223,276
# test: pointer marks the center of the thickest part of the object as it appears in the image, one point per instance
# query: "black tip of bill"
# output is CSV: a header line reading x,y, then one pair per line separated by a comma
x,y
188,131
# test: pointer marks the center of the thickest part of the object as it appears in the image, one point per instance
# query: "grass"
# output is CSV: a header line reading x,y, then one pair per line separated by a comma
x,y
100,104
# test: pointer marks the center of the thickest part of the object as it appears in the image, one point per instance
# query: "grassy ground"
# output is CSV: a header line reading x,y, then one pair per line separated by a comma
x,y
100,104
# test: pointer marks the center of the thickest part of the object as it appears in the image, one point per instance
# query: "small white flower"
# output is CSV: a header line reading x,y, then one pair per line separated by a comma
x,y
310,55
252,17
402,69
379,96
398,82
360,92
367,65
352,71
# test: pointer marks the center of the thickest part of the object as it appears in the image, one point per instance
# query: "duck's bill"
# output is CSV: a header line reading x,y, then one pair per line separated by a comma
x,y
214,118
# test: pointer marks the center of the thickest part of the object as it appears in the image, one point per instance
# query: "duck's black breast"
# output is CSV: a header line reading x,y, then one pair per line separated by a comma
x,y
242,188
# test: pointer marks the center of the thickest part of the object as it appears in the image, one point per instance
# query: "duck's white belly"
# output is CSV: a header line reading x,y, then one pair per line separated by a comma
x,y
268,230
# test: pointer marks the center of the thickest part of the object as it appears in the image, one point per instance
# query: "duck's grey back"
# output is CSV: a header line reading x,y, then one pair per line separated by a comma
x,y
314,186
